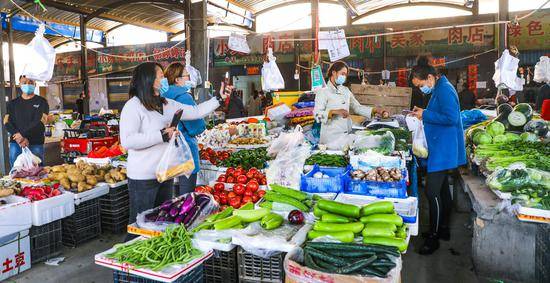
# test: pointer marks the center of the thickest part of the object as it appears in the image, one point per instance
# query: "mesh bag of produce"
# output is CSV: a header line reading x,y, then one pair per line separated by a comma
x,y
176,160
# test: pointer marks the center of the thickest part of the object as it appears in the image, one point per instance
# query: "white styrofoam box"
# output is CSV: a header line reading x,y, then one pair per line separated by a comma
x,y
219,246
413,227
529,214
15,251
100,190
205,176
118,184
168,274
94,161
52,209
15,216
406,207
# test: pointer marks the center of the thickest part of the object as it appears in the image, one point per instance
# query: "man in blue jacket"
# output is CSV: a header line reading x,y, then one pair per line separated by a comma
x,y
446,149
180,91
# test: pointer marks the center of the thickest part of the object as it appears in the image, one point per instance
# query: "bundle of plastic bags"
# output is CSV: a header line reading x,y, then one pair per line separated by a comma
x,y
505,76
39,57
542,70
271,76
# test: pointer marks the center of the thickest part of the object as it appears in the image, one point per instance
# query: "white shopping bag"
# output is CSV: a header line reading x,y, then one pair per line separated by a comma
x,y
271,76
505,76
542,70
39,59
176,160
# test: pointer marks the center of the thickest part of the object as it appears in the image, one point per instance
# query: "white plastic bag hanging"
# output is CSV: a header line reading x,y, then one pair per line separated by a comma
x,y
271,76
420,144
542,70
176,160
506,68
237,42
286,141
39,57
194,74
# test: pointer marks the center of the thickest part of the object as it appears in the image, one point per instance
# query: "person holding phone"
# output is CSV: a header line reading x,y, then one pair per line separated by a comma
x,y
180,91
145,131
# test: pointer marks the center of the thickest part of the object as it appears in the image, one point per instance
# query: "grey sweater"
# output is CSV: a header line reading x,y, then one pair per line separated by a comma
x,y
140,132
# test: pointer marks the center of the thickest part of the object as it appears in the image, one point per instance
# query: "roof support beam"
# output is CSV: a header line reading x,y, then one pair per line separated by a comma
x,y
412,4
350,7
63,43
17,10
288,3
119,3
4,136
227,9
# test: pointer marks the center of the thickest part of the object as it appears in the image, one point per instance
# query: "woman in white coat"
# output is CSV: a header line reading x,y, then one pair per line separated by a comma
x,y
333,104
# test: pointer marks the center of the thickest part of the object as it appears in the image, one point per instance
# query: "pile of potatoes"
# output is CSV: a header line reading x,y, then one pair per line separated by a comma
x,y
83,176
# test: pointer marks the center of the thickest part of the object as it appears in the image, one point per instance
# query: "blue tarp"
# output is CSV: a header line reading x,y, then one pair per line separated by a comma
x,y
471,117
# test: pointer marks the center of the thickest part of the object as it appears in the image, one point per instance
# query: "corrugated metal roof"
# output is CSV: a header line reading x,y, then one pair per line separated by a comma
x,y
26,37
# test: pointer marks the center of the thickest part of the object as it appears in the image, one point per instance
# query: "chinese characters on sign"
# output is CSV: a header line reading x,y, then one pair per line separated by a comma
x,y
10,264
532,33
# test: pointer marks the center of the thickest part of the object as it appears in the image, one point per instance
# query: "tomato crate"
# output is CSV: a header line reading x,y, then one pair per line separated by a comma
x,y
46,241
542,253
84,225
257,269
194,276
221,267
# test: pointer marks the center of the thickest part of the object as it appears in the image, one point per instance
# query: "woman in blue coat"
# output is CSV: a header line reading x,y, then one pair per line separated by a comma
x,y
445,137
180,91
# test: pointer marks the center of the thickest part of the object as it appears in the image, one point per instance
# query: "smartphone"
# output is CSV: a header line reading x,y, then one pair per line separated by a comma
x,y
176,119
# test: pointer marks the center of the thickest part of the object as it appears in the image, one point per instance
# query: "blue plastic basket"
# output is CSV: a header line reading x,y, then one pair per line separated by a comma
x,y
334,184
378,189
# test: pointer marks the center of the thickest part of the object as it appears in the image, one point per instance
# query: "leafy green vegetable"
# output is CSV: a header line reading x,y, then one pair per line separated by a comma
x,y
247,158
495,128
532,154
328,160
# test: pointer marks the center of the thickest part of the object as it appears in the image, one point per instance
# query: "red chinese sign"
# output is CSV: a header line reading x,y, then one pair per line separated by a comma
x,y
472,78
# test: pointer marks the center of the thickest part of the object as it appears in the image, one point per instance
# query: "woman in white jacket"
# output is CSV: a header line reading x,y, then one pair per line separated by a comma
x,y
333,104
145,132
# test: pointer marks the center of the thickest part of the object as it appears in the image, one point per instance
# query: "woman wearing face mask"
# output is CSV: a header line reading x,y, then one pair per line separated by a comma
x,y
332,105
145,132
180,91
445,137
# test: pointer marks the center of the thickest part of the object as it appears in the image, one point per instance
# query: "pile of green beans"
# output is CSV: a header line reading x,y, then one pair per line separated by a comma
x,y
172,247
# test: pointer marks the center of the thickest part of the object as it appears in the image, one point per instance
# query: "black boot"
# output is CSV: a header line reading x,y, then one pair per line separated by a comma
x,y
431,244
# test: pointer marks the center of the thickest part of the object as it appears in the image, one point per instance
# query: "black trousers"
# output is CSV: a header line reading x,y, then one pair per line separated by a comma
x,y
147,194
439,198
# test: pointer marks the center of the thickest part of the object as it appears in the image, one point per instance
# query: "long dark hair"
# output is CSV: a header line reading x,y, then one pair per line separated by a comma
x,y
141,86
423,69
336,67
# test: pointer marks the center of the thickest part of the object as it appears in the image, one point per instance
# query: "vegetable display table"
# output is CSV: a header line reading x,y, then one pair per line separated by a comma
x,y
502,247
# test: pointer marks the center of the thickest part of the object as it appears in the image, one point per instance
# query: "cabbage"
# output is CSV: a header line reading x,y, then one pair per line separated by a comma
x,y
500,139
495,128
511,137
531,137
483,138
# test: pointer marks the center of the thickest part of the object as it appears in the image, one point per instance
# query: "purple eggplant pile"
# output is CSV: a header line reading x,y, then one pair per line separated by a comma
x,y
181,210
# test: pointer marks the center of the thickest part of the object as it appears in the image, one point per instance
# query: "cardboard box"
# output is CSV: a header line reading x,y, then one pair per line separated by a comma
x,y
392,99
15,254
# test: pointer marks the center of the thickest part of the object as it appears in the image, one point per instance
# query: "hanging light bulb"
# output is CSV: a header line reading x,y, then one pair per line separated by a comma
x,y
296,74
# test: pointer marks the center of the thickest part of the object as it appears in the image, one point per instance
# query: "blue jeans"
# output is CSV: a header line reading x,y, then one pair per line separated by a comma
x,y
15,150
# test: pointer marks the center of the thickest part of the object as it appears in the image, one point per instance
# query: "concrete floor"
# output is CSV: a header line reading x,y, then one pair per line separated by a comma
x,y
451,263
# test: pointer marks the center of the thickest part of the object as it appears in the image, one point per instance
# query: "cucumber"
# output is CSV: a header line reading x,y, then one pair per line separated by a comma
x,y
401,244
383,218
308,260
356,265
325,256
354,247
335,207
334,218
349,254
373,272
377,207
277,197
318,212
289,192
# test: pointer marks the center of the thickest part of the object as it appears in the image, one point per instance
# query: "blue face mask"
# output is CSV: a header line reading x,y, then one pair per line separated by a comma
x,y
426,89
28,89
340,80
163,86
185,88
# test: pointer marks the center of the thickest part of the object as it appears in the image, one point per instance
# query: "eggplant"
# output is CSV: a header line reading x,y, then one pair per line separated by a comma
x,y
161,219
166,205
191,215
163,213
187,204
202,200
151,217
174,212
178,219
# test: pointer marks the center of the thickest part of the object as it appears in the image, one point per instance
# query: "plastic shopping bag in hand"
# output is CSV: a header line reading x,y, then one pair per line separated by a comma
x,y
26,165
420,145
176,160
39,58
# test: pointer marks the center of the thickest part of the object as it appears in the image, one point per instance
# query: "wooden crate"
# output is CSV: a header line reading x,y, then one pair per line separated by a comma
x,y
392,99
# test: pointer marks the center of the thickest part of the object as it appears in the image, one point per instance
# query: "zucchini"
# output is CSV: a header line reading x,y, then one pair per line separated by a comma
x,y
289,192
318,212
277,197
356,265
251,215
343,236
378,231
383,218
228,223
354,227
335,207
401,244
377,207
334,218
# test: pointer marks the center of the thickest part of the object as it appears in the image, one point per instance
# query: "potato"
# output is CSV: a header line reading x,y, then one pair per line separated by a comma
x,y
91,180
109,179
57,168
74,185
70,167
77,178
101,172
99,178
87,171
82,186
123,171
65,183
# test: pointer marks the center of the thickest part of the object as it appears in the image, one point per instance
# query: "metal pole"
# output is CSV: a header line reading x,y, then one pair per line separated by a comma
x,y
83,62
315,29
502,30
13,83
4,149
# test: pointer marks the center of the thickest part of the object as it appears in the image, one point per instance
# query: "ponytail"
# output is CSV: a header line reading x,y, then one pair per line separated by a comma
x,y
423,69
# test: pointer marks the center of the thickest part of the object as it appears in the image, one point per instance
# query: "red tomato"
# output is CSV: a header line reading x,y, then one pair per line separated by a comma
x,y
263,181
253,170
217,199
235,202
239,189
252,186
219,187
221,178
247,199
250,175
56,186
223,199
231,195
255,198
230,179
56,192
261,193
248,193
230,171
258,175
47,190
242,179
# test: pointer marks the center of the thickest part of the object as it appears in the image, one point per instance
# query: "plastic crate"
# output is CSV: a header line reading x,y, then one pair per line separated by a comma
x,y
378,189
405,207
334,184
221,267
257,269
542,253
45,241
115,208
194,276
83,225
